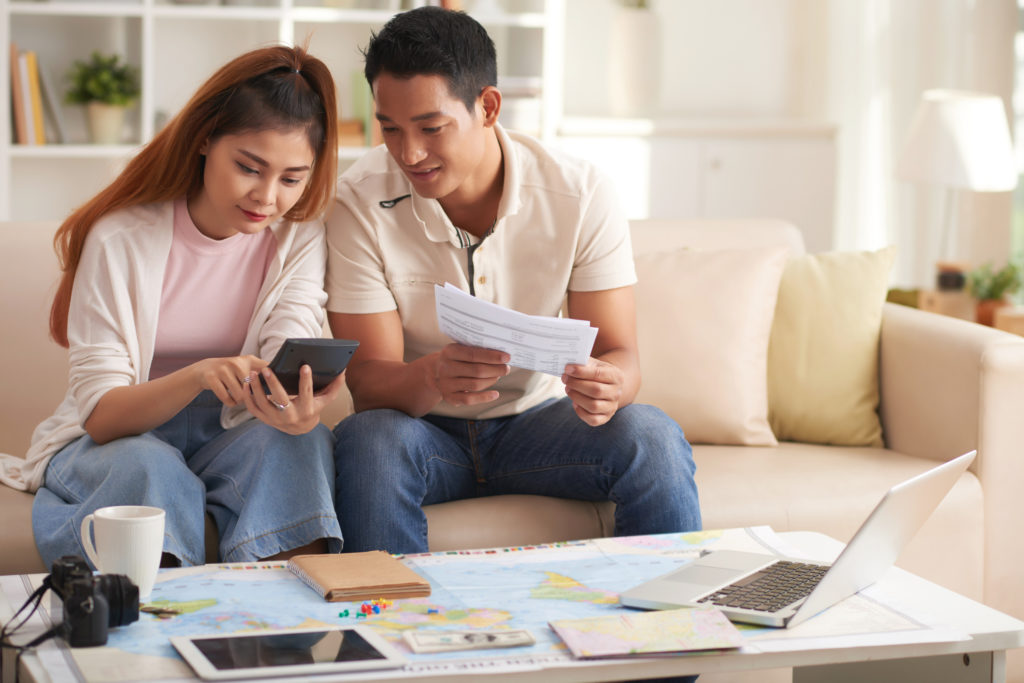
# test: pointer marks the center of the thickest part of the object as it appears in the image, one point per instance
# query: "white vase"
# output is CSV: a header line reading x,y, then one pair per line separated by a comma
x,y
634,54
106,121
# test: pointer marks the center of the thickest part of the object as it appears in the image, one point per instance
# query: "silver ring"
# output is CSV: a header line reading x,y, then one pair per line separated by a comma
x,y
280,406
246,379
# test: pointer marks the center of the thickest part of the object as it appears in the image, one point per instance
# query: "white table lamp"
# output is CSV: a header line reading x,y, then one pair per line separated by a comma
x,y
959,140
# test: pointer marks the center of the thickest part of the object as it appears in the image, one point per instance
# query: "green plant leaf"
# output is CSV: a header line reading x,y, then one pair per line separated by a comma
x,y
984,282
102,78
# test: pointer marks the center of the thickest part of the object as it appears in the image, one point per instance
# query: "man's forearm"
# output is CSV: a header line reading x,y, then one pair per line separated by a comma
x,y
408,387
627,362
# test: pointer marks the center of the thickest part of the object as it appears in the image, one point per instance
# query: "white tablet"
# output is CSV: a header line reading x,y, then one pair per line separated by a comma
x,y
287,652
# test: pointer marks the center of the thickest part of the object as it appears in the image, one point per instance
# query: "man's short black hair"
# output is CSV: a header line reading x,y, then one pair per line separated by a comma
x,y
431,41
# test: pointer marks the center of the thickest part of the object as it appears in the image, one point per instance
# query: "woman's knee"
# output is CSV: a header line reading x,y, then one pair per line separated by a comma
x,y
312,450
135,463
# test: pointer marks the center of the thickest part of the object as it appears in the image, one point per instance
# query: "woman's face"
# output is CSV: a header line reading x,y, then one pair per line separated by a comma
x,y
250,180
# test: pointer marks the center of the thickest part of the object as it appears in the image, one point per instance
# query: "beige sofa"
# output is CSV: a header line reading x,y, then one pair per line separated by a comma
x,y
946,386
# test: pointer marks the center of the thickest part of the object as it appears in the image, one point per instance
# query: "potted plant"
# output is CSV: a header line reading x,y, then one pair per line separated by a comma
x,y
991,287
106,87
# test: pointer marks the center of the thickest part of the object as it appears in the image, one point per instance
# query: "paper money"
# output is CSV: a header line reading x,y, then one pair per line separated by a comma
x,y
423,642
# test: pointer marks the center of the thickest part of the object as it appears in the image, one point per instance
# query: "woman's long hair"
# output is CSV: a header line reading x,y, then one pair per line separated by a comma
x,y
269,88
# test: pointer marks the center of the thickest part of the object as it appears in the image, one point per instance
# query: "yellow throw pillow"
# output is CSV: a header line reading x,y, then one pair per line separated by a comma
x,y
703,319
823,351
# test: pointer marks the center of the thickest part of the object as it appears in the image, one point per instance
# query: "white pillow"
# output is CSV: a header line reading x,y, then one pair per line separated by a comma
x,y
703,321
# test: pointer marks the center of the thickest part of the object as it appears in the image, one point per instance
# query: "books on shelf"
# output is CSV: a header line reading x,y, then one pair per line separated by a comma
x,y
35,97
52,109
17,103
26,100
36,111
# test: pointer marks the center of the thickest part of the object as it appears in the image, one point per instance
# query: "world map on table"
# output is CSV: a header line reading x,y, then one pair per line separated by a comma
x,y
505,588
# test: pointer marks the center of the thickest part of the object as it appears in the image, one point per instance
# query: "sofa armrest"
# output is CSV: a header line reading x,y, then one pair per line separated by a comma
x,y
947,386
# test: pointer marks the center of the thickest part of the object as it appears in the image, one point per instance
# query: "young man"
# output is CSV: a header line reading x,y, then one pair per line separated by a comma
x,y
455,198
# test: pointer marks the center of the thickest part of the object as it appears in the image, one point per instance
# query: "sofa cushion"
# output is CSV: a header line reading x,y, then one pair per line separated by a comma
x,y
538,519
32,360
18,554
830,490
823,353
703,320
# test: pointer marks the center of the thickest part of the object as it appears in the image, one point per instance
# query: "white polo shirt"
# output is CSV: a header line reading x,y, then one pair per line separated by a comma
x,y
559,228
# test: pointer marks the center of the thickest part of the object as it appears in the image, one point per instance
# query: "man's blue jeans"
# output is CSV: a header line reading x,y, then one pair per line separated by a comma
x,y
389,465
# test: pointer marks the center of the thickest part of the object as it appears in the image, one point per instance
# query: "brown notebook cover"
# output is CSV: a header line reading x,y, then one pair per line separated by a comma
x,y
359,576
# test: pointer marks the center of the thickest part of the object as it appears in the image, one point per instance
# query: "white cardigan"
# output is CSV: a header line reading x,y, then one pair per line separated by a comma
x,y
114,306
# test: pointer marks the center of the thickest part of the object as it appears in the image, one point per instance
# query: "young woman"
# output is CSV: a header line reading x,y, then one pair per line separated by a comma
x,y
180,281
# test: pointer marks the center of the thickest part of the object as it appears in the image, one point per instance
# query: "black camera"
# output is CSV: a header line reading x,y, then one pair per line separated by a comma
x,y
92,603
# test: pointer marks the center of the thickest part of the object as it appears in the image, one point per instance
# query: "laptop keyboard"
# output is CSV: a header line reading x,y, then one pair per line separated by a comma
x,y
770,589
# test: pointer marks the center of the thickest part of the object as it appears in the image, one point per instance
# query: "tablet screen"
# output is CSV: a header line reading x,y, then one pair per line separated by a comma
x,y
275,653
286,649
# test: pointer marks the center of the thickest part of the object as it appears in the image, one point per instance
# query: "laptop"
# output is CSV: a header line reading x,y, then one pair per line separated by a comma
x,y
770,590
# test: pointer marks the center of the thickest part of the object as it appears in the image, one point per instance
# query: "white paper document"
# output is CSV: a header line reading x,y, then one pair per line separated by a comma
x,y
535,342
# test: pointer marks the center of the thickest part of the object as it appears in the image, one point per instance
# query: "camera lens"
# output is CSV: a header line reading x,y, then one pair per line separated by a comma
x,y
122,597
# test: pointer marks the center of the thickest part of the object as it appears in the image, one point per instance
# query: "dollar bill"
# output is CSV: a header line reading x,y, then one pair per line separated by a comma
x,y
423,642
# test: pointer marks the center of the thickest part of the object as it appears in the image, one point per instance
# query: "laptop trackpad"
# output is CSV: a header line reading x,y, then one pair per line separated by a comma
x,y
702,575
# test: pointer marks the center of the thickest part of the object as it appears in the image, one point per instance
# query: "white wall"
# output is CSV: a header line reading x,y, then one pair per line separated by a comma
x,y
860,64
718,57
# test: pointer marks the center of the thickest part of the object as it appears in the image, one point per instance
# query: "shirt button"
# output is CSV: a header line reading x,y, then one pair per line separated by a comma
x,y
482,279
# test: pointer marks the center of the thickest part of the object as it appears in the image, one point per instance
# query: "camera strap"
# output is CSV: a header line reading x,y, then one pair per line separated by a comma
x,y
10,627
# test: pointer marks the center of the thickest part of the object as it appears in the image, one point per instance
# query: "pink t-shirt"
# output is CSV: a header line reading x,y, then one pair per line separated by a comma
x,y
209,293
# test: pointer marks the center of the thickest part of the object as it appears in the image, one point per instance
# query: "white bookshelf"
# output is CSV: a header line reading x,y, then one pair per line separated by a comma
x,y
177,45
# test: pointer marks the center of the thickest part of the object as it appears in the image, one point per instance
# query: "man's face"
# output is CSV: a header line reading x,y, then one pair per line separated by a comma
x,y
436,141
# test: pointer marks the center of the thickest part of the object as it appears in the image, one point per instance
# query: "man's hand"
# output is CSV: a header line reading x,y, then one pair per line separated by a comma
x,y
465,374
595,389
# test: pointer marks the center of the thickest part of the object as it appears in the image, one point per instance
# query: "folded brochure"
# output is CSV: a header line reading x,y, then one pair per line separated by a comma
x,y
689,629
349,577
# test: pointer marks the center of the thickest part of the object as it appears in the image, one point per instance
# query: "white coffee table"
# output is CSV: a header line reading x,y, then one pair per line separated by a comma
x,y
966,641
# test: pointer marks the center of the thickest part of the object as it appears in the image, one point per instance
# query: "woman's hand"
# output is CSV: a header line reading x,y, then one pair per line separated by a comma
x,y
227,377
138,408
290,414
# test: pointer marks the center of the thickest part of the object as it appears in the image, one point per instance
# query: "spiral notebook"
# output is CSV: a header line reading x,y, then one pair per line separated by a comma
x,y
349,577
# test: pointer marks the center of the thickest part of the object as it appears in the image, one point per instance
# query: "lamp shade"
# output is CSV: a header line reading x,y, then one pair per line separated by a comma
x,y
960,139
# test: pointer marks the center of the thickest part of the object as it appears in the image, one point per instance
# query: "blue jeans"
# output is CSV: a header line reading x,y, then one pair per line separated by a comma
x,y
266,491
389,465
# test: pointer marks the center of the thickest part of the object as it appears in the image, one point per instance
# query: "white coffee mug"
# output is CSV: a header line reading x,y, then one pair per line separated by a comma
x,y
129,541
